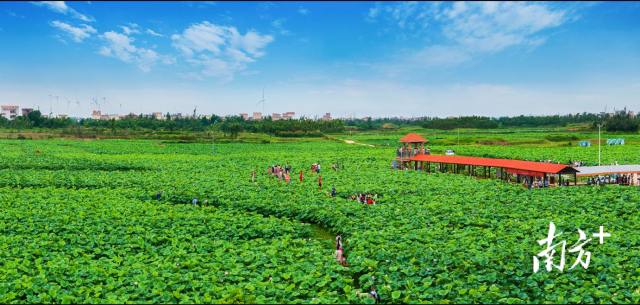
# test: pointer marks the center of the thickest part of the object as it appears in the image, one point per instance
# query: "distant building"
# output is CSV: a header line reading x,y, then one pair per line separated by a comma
x,y
276,116
158,115
122,116
114,116
104,117
257,116
176,116
206,116
63,116
9,112
326,117
631,114
288,115
25,111
97,114
245,116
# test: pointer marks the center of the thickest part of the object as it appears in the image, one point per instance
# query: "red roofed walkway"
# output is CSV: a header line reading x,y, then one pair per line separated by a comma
x,y
527,168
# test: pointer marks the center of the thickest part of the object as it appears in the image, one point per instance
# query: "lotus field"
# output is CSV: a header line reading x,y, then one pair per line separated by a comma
x,y
80,223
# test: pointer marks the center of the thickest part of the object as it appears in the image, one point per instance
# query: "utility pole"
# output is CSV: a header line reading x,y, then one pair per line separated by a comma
x,y
458,141
599,125
213,138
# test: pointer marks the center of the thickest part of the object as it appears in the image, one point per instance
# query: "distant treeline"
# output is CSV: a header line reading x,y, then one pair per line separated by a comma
x,y
231,125
620,121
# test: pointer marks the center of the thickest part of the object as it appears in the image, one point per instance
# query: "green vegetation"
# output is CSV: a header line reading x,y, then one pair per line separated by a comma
x,y
80,223
230,125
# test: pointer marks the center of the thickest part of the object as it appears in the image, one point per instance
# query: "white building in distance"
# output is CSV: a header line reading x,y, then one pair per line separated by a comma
x,y
9,112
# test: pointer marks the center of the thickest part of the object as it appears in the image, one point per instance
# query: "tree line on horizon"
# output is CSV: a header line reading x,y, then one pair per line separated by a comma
x,y
303,127
620,121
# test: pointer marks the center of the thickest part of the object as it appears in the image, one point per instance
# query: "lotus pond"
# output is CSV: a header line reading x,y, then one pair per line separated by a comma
x,y
80,223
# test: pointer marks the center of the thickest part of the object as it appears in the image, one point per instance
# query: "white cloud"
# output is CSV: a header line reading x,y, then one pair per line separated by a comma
x,y
278,25
201,4
60,39
223,51
150,31
120,46
129,31
303,11
374,12
78,34
470,29
12,13
266,5
439,56
250,72
133,25
62,8
190,76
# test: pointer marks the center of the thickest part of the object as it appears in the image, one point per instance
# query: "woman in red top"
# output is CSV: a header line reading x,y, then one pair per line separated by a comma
x,y
300,176
320,182
370,201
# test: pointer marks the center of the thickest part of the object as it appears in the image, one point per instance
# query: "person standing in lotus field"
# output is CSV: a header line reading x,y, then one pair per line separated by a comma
x,y
320,182
300,176
339,255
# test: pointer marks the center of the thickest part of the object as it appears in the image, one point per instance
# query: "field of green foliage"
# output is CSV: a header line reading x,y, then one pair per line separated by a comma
x,y
80,223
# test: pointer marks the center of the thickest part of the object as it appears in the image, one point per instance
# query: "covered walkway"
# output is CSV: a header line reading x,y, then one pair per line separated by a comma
x,y
503,166
629,172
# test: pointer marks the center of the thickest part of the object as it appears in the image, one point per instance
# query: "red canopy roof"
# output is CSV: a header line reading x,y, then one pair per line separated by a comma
x,y
412,138
504,163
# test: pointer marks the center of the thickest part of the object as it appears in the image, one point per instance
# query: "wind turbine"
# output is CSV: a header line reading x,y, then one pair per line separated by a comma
x,y
57,105
50,107
68,102
262,101
78,102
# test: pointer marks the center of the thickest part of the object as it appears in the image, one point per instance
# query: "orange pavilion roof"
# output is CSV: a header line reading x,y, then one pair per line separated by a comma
x,y
412,138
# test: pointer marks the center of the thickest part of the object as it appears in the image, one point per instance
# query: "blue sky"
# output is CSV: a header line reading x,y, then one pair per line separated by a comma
x,y
368,58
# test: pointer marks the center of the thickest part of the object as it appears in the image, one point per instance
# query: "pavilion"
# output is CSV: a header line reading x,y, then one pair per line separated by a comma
x,y
409,143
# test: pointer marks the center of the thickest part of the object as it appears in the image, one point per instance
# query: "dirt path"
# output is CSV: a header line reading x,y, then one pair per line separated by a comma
x,y
353,142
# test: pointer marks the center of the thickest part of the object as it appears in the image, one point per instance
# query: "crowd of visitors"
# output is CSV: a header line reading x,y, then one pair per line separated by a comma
x,y
282,173
408,153
366,198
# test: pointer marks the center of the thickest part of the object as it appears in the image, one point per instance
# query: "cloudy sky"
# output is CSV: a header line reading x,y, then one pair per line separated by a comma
x,y
368,58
